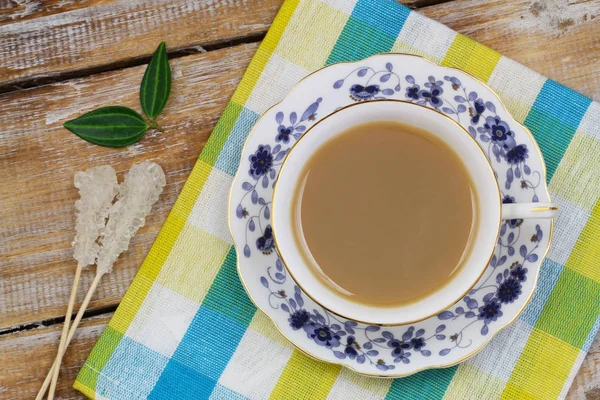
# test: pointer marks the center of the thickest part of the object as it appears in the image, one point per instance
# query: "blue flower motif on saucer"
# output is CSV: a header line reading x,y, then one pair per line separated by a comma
x,y
261,162
361,93
509,290
490,311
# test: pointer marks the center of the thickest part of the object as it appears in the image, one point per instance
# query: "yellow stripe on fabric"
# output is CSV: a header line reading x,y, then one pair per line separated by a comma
x,y
576,178
305,378
196,259
544,359
134,297
131,303
191,190
87,392
326,20
470,56
474,383
263,54
162,247
175,222
512,392
586,254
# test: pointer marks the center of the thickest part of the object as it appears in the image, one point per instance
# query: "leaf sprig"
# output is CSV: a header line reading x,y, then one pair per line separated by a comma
x,y
119,126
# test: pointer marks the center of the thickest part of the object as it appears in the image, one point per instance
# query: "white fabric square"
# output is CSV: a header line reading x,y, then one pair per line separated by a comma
x,y
499,357
420,32
255,367
162,320
523,84
345,6
210,210
277,79
567,228
344,389
590,123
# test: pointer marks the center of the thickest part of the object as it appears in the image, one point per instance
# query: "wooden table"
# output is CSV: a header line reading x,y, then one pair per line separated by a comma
x,y
60,58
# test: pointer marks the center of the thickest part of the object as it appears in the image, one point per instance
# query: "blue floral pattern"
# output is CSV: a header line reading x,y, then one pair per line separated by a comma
x,y
494,134
491,303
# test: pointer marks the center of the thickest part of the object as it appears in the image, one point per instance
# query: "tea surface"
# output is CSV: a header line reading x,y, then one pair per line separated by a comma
x,y
385,212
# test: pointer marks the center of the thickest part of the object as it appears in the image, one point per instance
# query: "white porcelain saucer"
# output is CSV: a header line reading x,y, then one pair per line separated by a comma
x,y
444,339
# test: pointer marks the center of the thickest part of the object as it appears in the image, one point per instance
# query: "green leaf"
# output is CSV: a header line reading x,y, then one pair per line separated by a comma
x,y
114,126
156,84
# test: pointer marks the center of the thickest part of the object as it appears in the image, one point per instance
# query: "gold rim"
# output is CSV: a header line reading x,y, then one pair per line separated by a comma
x,y
489,164
350,366
541,209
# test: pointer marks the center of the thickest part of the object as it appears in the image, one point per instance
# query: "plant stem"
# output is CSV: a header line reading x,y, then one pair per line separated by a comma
x,y
80,313
65,330
154,125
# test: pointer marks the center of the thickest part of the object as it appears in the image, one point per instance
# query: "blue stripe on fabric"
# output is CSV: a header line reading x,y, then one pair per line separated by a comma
x,y
425,385
135,367
553,120
181,382
229,158
201,357
370,30
224,393
389,18
591,336
549,273
209,342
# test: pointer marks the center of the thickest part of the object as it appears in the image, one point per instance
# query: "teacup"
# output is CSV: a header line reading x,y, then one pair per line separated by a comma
x,y
491,211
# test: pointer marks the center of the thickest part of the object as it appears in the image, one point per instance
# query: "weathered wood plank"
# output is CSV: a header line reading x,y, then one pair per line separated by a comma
x,y
26,358
558,39
586,385
39,159
121,32
21,10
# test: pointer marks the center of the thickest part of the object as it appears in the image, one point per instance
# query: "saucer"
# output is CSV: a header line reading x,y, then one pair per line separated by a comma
x,y
444,339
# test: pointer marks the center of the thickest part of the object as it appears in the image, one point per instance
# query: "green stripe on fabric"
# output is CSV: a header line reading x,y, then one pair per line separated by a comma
x,y
219,135
575,299
227,295
429,385
552,135
359,40
101,353
305,378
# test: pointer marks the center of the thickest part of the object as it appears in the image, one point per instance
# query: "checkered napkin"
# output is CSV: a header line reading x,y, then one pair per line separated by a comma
x,y
187,330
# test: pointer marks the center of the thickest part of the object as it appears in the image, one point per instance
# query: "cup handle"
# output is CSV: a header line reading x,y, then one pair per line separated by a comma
x,y
529,210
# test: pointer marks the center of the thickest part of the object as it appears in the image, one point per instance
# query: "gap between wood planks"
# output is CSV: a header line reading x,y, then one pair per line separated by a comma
x,y
133,62
95,312
33,81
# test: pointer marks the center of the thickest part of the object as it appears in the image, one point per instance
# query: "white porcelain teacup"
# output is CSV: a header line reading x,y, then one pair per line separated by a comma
x,y
491,211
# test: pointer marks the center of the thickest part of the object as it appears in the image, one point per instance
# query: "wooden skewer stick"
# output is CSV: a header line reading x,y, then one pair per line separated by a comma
x,y
73,328
65,331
